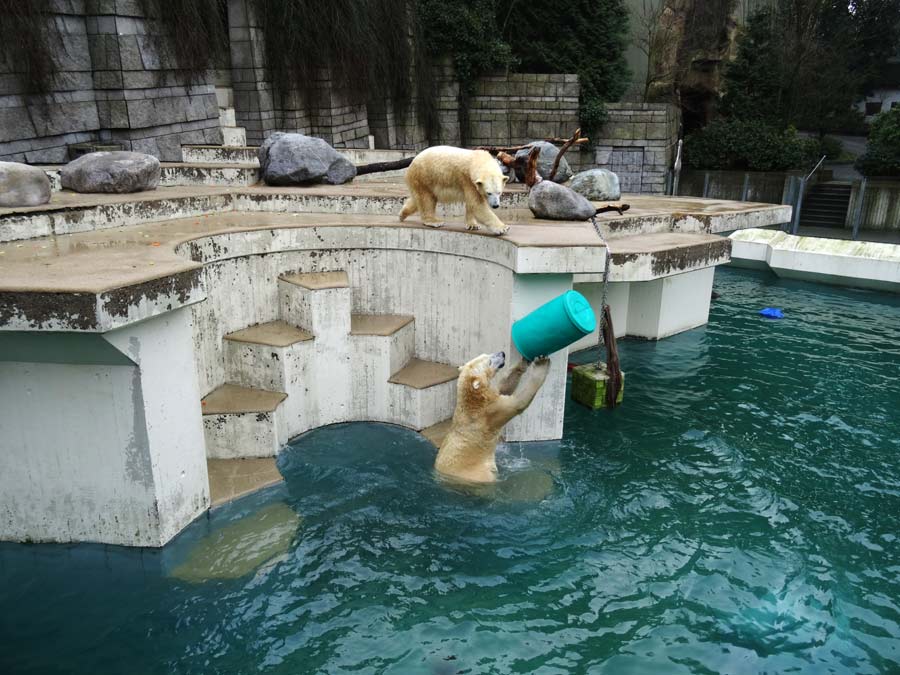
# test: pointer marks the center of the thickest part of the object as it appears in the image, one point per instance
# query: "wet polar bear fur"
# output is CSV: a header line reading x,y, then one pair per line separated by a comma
x,y
484,404
448,175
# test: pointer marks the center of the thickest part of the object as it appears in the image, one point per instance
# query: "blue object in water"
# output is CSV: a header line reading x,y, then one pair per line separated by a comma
x,y
772,313
554,325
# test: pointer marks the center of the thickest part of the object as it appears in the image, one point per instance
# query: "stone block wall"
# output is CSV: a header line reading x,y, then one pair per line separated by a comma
x,y
37,129
516,108
115,83
638,143
262,109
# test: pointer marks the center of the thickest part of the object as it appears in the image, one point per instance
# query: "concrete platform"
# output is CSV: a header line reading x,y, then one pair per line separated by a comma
x,y
273,333
230,479
420,374
378,324
130,309
234,399
839,262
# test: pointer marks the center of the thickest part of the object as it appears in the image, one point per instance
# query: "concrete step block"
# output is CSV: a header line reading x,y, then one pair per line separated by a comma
x,y
243,422
319,301
275,356
227,118
379,346
422,393
208,175
219,154
234,137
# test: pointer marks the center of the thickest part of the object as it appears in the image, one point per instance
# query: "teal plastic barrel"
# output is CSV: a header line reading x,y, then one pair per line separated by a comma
x,y
554,325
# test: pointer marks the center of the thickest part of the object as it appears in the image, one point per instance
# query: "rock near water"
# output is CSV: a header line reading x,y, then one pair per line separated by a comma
x,y
23,185
295,159
557,202
544,163
598,185
114,172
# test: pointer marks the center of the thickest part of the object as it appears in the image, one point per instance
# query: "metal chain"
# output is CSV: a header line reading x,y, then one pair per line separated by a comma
x,y
600,340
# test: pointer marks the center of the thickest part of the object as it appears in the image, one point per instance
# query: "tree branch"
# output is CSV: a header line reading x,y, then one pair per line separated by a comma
x,y
568,144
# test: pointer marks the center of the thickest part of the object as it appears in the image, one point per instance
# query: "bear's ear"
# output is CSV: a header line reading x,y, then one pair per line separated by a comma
x,y
505,179
479,182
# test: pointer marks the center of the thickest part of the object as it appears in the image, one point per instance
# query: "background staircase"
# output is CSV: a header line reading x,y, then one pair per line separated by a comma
x,y
825,205
320,364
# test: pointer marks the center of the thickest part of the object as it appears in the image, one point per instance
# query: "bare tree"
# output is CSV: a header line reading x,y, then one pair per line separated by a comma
x,y
657,37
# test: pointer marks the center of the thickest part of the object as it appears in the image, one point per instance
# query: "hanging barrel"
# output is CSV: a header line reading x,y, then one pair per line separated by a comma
x,y
554,325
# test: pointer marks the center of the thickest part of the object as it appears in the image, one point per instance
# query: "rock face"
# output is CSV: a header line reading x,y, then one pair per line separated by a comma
x,y
598,185
23,185
295,159
557,202
544,163
116,172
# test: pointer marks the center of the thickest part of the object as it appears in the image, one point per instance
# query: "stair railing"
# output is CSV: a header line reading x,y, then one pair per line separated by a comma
x,y
795,225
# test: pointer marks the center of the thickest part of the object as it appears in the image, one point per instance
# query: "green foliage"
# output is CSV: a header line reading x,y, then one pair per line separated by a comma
x,y
467,32
882,156
572,36
26,35
806,62
749,145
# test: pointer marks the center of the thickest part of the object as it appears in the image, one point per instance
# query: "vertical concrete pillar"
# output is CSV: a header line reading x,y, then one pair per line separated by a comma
x,y
101,436
670,305
543,420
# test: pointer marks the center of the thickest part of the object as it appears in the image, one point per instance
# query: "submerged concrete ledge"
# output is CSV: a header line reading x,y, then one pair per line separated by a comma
x,y
838,262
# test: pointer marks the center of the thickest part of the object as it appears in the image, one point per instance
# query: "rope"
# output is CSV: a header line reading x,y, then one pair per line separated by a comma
x,y
603,305
606,335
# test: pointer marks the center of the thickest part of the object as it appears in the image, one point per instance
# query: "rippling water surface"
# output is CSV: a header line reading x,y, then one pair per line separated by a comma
x,y
739,514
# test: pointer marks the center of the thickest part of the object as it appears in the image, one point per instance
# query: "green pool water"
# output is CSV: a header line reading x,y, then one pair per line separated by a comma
x,y
738,514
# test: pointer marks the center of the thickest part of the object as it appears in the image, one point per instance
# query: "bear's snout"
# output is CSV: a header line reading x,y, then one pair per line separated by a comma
x,y
494,201
498,360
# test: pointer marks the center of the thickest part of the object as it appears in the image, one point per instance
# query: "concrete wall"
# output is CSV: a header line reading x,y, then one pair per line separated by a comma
x,y
638,143
881,205
767,187
116,83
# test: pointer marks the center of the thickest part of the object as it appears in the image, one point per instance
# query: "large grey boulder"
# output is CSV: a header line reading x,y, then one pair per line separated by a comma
x,y
23,185
115,172
295,159
557,202
598,185
544,162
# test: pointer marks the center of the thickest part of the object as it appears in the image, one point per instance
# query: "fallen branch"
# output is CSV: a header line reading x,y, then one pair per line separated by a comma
x,y
568,144
494,149
378,167
506,160
620,209
532,177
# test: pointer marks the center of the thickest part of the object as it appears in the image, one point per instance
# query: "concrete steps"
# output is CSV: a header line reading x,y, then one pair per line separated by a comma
x,y
243,422
320,363
234,136
219,154
826,205
380,344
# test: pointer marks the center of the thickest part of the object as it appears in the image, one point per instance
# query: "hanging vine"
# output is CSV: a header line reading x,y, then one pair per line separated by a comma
x,y
27,31
194,31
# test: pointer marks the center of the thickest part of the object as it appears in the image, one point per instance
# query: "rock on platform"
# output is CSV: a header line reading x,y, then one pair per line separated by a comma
x,y
115,172
557,202
23,185
295,159
598,185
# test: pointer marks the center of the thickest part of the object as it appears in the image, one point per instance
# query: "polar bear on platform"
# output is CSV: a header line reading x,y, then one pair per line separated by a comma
x,y
484,404
447,175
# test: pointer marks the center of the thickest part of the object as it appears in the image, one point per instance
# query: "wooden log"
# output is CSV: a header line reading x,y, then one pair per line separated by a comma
x,y
494,149
378,167
532,177
620,209
568,144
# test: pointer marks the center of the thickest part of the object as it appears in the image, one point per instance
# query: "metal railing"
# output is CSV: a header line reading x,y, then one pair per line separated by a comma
x,y
801,193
